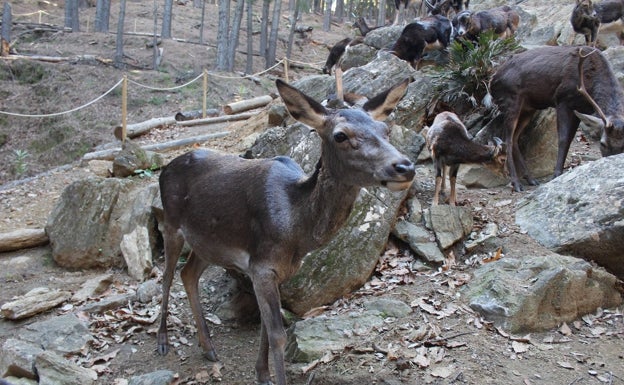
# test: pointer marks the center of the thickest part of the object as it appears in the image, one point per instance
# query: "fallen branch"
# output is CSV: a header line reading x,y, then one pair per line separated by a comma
x,y
218,119
245,105
22,239
111,153
138,129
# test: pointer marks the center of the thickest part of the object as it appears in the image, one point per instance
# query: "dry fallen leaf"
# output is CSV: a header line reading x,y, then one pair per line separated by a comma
x,y
565,330
565,364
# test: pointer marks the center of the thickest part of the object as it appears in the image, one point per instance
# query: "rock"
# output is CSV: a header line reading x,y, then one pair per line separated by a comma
x,y
388,307
420,241
53,369
34,302
87,224
109,303
63,334
10,380
133,158
310,339
136,250
18,358
580,213
159,377
148,290
93,287
450,223
539,293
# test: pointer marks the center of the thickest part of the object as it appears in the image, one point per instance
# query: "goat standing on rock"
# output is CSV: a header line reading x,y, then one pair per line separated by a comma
x,y
451,145
262,216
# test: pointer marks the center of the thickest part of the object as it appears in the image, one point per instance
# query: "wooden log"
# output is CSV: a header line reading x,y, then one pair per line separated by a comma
x,y
34,302
111,153
245,105
22,239
138,129
196,114
218,119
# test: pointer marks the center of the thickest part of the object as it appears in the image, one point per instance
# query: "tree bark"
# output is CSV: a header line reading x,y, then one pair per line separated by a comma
x,y
277,10
245,105
249,64
102,15
294,15
119,40
71,15
223,35
167,15
5,35
234,34
327,16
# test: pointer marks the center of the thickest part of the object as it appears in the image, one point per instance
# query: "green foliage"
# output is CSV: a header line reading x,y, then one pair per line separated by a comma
x,y
20,164
28,72
471,66
147,173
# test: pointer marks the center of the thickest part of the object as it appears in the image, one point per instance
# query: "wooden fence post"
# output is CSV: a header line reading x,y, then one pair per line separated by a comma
x,y
124,107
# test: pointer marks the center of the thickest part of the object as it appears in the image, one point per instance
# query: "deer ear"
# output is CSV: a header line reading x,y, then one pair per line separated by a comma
x,y
380,106
590,120
302,107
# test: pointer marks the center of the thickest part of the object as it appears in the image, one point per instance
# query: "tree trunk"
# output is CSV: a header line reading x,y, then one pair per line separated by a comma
x,y
102,15
155,56
5,35
223,33
167,15
294,15
120,29
235,32
264,32
382,13
201,25
71,15
340,7
249,65
327,16
198,4
275,22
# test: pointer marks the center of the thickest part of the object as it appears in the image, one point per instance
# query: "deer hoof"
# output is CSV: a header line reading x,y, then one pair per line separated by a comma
x,y
211,355
163,349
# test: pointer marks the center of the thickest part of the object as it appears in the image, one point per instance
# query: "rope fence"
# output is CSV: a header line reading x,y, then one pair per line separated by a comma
x,y
124,83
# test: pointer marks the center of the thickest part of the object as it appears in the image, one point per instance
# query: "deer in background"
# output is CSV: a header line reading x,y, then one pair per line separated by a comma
x,y
262,216
451,145
576,82
585,21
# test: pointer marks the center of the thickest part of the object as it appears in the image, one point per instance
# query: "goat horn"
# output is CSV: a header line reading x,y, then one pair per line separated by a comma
x,y
582,88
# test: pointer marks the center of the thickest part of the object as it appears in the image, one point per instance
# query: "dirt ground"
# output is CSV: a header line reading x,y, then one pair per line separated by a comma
x,y
441,342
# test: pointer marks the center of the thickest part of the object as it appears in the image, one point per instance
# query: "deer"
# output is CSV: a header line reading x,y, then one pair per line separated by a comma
x,y
451,145
586,21
260,217
576,81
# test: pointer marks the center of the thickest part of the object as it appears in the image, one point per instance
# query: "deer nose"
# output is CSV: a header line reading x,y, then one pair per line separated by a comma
x,y
405,168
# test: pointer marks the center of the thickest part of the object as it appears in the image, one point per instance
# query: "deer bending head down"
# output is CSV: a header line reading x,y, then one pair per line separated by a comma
x,y
451,145
262,216
576,82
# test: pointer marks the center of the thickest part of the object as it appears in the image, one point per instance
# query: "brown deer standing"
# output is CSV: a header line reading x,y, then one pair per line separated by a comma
x,y
576,82
451,145
261,217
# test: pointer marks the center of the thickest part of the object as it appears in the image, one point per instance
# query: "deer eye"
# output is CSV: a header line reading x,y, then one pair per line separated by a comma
x,y
340,137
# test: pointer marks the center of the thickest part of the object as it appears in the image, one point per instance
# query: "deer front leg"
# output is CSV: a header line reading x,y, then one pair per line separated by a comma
x,y
173,247
190,274
567,125
512,149
273,336
523,122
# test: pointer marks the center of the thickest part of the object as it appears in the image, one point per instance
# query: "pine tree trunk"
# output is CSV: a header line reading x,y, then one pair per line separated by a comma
x,y
120,30
167,15
327,16
71,15
264,31
294,15
234,35
277,10
102,15
249,65
223,33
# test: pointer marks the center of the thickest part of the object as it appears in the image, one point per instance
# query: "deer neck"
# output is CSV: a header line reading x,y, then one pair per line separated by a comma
x,y
326,205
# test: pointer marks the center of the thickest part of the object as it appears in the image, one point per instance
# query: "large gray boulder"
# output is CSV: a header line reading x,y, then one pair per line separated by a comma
x,y
581,213
539,292
87,225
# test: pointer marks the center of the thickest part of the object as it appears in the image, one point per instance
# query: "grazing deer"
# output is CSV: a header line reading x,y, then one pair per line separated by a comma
x,y
502,20
585,21
262,216
576,82
451,145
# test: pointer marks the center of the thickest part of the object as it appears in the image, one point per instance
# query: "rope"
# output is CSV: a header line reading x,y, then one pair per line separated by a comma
x,y
64,112
166,89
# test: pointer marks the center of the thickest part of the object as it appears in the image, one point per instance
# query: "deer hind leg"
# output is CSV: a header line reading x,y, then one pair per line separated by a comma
x,y
453,179
567,125
511,138
174,241
190,274
273,336
439,182
521,165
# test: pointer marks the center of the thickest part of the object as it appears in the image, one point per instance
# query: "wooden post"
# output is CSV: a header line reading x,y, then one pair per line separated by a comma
x,y
339,89
205,93
5,35
124,107
286,69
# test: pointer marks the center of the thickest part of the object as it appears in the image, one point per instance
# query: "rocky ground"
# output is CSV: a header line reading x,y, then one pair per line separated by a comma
x,y
441,341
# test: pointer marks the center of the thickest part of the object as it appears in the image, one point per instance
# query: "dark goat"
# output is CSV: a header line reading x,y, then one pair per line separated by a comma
x,y
503,21
575,81
585,21
451,145
335,53
433,32
444,7
611,11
